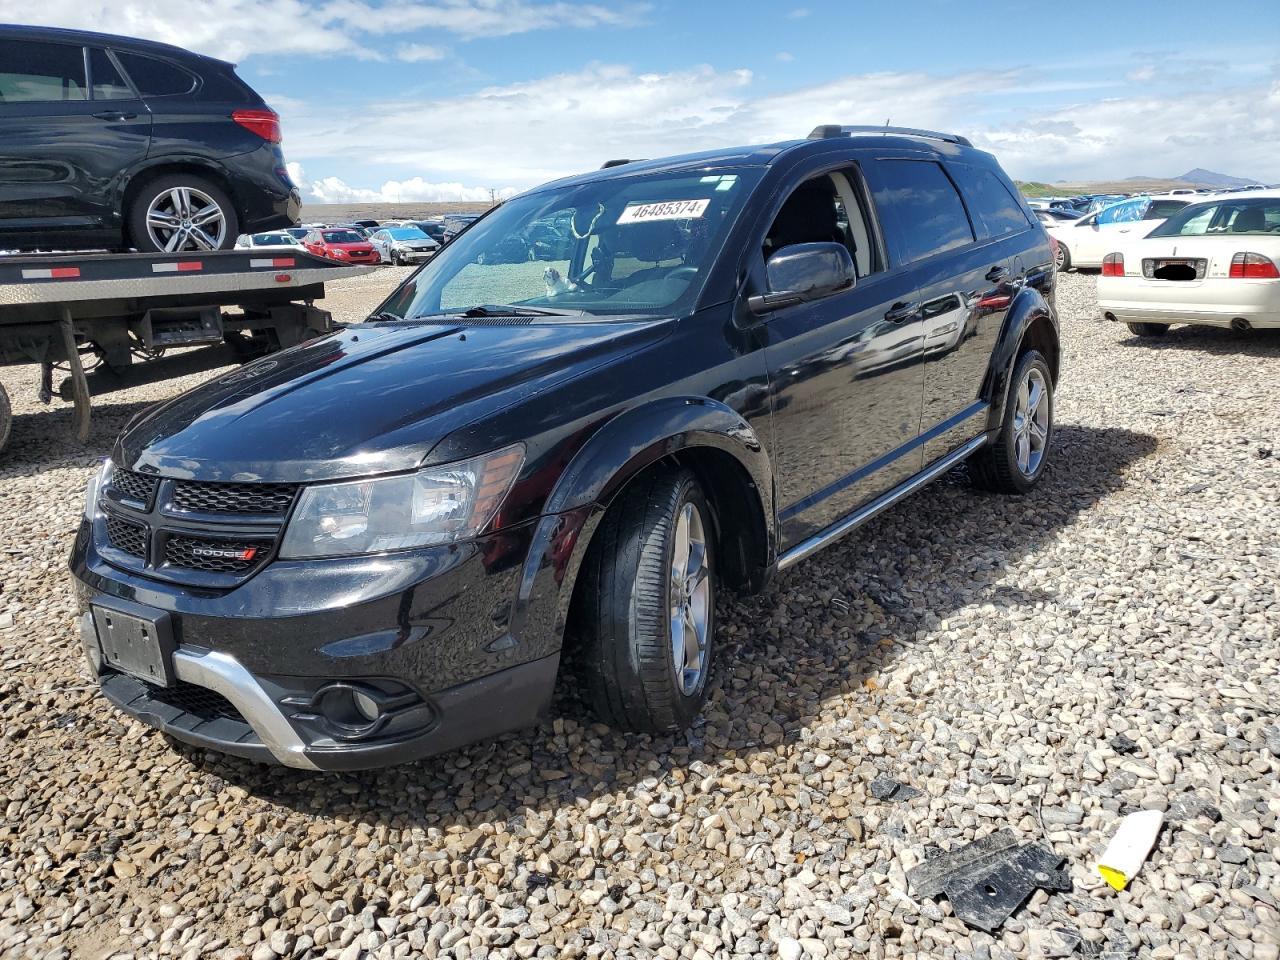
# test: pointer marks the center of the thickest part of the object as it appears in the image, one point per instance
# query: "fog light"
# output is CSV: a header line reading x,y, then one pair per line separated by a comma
x,y
365,705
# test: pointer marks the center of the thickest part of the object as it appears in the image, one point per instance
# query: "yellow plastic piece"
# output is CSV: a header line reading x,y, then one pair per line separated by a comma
x,y
1115,878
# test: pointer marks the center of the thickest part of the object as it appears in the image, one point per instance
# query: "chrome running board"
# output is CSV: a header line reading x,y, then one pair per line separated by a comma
x,y
837,530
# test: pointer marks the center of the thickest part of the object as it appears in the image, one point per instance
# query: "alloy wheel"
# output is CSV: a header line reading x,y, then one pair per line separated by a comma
x,y
690,595
1031,422
184,218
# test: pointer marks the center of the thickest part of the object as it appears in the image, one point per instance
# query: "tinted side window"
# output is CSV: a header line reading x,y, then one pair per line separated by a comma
x,y
993,207
1161,209
32,71
156,78
105,79
920,199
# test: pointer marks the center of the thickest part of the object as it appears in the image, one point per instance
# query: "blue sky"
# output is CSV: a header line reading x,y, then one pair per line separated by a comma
x,y
437,99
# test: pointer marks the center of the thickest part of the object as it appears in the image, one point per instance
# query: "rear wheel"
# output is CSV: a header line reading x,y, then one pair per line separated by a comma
x,y
6,418
1015,460
645,613
1148,329
1062,257
182,212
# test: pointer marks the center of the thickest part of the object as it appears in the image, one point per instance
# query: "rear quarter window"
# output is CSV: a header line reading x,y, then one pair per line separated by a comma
x,y
994,210
156,78
920,201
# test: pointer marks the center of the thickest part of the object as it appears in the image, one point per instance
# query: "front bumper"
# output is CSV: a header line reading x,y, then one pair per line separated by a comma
x,y
255,667
1214,301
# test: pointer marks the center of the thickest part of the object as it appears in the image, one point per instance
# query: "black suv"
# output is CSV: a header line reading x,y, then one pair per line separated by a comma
x,y
111,142
389,541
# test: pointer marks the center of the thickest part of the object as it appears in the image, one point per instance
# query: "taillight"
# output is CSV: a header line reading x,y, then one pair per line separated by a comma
x,y
1113,265
1253,266
264,123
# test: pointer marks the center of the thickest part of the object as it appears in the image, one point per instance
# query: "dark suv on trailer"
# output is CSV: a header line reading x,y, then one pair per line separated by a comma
x,y
111,142
389,541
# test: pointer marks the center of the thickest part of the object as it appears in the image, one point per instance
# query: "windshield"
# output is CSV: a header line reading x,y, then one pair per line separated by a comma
x,y
272,239
342,236
1253,217
623,245
406,233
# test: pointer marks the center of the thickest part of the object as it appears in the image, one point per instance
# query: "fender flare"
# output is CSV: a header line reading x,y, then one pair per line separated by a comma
x,y
618,451
1028,307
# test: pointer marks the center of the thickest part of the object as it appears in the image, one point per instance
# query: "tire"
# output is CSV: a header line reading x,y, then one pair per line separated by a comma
x,y
165,194
1148,329
623,612
1005,465
1063,258
6,418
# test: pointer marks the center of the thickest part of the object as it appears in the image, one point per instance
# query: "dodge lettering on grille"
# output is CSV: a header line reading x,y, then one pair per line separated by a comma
x,y
225,553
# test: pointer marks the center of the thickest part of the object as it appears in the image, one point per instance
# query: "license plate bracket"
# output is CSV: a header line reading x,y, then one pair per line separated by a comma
x,y
135,639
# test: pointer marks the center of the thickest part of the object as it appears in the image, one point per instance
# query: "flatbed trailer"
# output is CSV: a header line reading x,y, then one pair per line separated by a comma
x,y
107,320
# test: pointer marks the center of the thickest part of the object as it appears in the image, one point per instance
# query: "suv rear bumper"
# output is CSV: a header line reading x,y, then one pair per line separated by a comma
x,y
271,669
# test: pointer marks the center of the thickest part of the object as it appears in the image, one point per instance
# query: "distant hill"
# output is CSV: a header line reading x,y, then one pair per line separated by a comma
x,y
1207,178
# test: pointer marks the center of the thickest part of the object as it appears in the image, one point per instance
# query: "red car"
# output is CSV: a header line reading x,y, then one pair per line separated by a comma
x,y
339,243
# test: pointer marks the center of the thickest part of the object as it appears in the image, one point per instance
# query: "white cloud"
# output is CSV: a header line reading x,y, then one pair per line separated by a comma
x,y
236,29
417,52
523,134
413,190
784,56
799,13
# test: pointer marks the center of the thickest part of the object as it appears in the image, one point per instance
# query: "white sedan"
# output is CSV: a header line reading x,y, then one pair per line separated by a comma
x,y
274,240
1084,242
1215,263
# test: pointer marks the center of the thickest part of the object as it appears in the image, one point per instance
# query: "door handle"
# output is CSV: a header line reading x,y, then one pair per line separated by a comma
x,y
996,274
901,311
114,115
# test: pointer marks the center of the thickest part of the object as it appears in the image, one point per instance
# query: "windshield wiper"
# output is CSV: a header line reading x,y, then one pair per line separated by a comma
x,y
384,315
511,310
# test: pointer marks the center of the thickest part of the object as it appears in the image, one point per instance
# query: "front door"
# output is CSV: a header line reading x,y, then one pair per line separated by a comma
x,y
845,372
65,139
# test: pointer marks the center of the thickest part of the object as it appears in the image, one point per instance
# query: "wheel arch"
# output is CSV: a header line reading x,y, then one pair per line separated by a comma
x,y
707,437
1031,324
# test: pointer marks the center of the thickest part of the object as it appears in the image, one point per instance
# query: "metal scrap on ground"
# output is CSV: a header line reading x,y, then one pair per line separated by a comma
x,y
987,880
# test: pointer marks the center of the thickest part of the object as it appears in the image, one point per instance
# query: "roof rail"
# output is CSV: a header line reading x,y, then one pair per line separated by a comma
x,y
827,131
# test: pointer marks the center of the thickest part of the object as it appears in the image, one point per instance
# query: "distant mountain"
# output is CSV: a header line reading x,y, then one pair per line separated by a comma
x,y
1207,178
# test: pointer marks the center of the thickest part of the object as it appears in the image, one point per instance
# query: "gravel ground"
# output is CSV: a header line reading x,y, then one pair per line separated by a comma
x,y
987,651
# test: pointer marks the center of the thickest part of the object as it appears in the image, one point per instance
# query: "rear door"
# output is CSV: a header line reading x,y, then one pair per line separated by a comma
x,y
961,287
65,139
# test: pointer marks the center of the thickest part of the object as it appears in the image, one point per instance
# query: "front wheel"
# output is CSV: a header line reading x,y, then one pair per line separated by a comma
x,y
1148,329
180,213
645,611
1016,459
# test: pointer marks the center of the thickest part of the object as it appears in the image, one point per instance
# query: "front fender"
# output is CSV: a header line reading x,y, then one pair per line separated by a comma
x,y
1027,308
619,450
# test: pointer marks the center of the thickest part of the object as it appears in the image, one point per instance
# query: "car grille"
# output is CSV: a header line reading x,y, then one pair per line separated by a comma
x,y
253,499
201,701
127,536
215,556
204,533
134,487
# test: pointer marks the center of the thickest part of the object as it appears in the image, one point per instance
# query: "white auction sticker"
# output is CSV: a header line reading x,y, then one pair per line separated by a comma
x,y
664,210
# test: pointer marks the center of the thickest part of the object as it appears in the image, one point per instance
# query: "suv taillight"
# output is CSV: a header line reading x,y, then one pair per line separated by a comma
x,y
264,123
1253,266
1113,265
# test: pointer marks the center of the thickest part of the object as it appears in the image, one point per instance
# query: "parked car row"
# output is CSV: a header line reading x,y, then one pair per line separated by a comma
x,y
397,242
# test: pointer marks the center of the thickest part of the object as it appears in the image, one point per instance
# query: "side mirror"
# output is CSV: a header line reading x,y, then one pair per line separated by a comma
x,y
803,272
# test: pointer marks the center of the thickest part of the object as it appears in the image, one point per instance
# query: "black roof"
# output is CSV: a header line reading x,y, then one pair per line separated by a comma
x,y
61,34
762,155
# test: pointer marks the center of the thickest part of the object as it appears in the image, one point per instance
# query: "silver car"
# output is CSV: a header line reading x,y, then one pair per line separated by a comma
x,y
400,245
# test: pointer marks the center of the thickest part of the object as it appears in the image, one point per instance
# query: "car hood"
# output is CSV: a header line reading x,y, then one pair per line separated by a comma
x,y
370,399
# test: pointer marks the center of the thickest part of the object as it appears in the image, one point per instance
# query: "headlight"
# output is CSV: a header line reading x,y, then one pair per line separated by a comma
x,y
96,483
339,252
437,505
